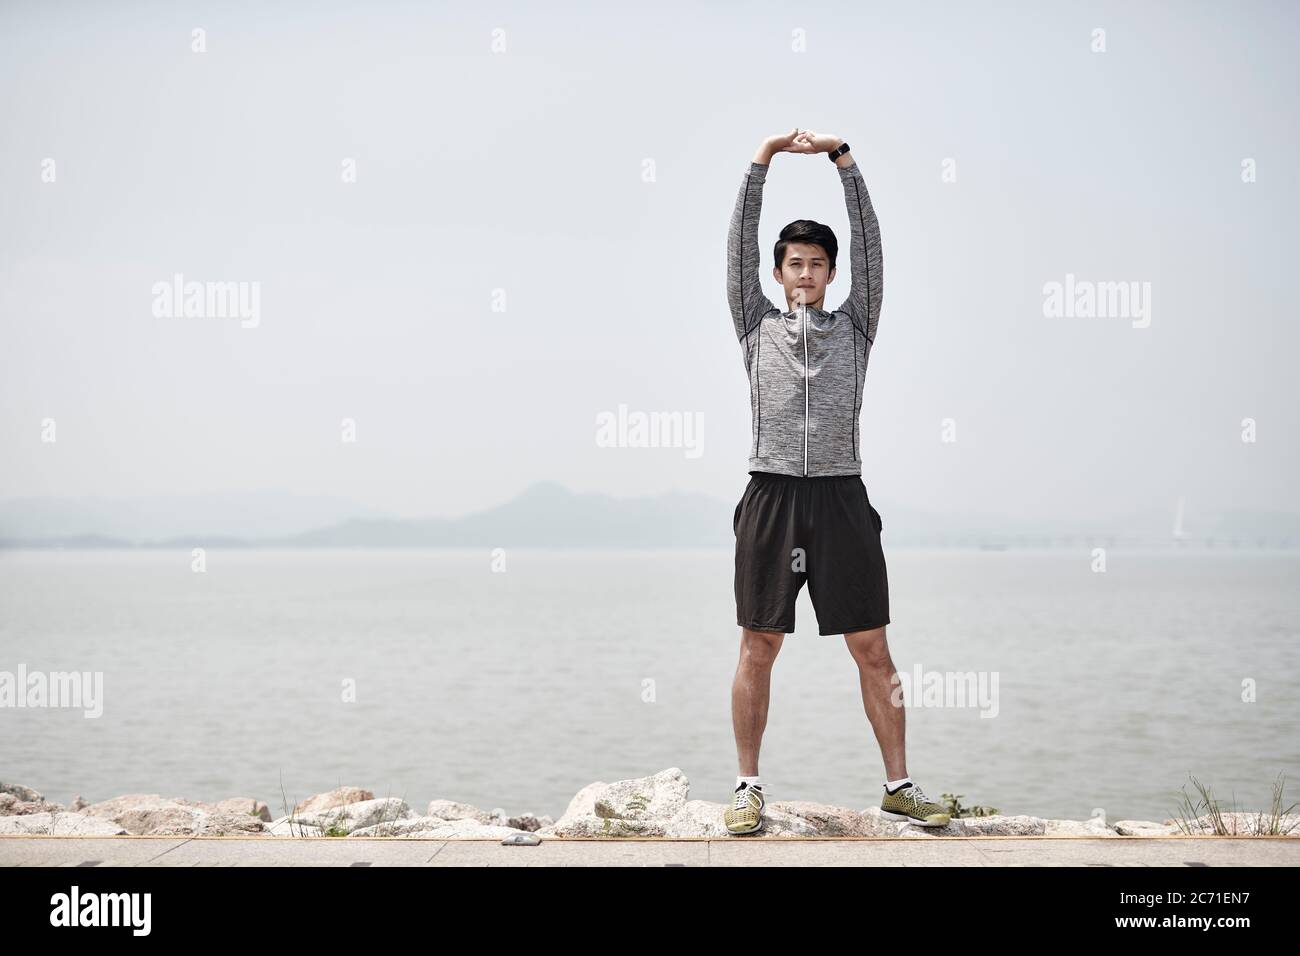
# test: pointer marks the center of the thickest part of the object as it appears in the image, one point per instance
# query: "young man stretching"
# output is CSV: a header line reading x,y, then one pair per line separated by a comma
x,y
805,514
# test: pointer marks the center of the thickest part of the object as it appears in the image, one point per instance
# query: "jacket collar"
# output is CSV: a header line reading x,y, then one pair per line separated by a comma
x,y
813,313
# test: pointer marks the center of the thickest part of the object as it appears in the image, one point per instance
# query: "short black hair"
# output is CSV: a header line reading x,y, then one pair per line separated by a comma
x,y
806,230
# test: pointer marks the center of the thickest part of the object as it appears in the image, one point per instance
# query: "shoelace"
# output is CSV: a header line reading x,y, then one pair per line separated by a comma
x,y
742,798
915,794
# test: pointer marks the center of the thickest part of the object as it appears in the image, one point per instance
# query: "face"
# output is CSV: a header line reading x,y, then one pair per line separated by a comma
x,y
804,275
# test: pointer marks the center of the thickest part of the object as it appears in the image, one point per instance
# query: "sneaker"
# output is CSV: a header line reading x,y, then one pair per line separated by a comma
x,y
746,814
910,805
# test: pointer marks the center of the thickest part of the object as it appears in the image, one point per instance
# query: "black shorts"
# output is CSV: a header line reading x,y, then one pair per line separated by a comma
x,y
824,530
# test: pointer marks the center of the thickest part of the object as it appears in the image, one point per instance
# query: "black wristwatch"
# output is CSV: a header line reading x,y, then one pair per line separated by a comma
x,y
838,152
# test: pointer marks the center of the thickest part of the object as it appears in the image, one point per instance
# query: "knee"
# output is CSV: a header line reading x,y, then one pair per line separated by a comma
x,y
878,662
759,648
871,653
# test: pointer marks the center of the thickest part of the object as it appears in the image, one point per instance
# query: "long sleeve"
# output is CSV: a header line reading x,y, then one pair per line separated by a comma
x,y
744,291
865,260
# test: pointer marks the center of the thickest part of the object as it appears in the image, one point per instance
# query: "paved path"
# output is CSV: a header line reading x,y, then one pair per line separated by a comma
x,y
796,851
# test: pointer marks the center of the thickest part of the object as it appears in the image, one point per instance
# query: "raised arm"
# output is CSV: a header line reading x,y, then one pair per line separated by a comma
x,y
744,291
865,260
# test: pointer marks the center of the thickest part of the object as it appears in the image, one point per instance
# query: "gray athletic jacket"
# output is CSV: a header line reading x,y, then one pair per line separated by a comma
x,y
806,366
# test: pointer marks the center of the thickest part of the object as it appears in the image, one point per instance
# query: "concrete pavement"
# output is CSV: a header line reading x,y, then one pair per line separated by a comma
x,y
736,851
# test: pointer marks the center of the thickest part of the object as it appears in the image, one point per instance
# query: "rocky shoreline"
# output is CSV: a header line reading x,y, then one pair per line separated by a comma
x,y
653,806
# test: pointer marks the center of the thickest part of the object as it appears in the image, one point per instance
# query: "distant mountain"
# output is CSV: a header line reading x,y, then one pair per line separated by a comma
x,y
239,515
548,515
545,515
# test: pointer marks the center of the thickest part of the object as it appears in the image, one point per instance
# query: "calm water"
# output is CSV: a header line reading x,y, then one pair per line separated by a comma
x,y
516,689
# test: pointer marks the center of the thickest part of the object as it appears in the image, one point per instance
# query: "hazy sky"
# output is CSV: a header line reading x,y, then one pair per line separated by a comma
x,y
524,170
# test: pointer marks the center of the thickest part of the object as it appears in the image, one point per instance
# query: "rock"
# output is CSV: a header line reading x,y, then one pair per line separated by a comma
x,y
436,828
1143,828
289,827
355,816
1093,826
20,793
17,800
997,825
644,798
583,802
1243,824
619,809
59,824
594,826
878,825
781,818
528,822
658,805
826,820
653,806
335,798
153,815
644,807
451,810
145,813
697,818
149,813
217,823
882,826
12,807
245,806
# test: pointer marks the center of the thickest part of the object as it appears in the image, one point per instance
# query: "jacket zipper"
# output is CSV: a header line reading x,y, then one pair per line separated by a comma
x,y
805,391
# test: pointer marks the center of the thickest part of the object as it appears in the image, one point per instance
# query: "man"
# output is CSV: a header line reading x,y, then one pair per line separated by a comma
x,y
805,514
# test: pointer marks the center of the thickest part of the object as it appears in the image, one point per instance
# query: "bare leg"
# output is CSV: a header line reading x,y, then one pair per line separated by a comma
x,y
875,670
749,694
